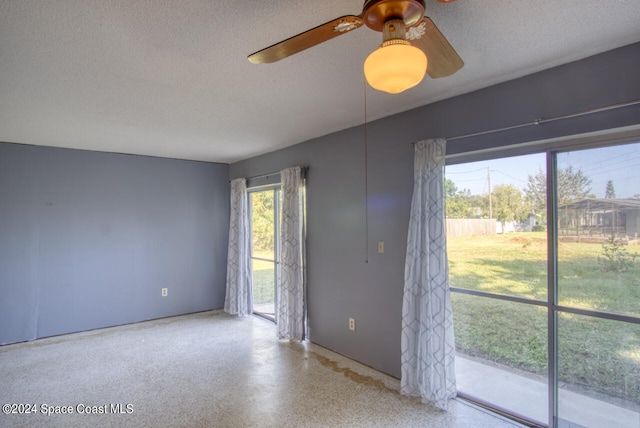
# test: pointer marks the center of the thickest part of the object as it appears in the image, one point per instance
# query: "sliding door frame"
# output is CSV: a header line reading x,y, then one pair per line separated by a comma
x,y
555,309
552,286
276,189
552,148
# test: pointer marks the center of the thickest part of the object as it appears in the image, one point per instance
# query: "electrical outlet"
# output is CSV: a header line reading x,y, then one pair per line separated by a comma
x,y
164,292
352,324
380,247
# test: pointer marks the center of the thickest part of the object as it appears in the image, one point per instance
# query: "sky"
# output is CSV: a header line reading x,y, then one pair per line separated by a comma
x,y
620,164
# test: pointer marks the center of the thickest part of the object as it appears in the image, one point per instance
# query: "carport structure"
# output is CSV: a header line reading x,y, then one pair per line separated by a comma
x,y
595,220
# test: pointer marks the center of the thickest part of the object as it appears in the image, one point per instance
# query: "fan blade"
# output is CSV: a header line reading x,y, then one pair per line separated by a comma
x,y
305,40
443,59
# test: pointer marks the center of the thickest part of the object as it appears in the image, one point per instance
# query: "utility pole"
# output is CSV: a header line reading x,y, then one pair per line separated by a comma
x,y
489,186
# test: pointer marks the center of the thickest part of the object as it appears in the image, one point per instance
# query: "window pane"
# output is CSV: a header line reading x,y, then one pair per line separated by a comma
x,y
502,353
598,226
599,372
262,225
263,286
496,216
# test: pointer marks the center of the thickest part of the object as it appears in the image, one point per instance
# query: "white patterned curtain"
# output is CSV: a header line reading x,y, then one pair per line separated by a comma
x,y
238,298
290,292
427,344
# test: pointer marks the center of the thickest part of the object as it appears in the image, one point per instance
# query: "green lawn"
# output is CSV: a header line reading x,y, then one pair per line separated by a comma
x,y
262,282
594,354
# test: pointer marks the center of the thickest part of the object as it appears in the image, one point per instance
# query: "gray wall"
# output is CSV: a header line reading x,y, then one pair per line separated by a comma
x,y
342,283
88,239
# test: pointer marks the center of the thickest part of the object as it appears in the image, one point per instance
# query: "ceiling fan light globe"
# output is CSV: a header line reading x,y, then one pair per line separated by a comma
x,y
394,68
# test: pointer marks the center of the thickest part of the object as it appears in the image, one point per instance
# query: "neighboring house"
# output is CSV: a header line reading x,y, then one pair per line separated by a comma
x,y
599,218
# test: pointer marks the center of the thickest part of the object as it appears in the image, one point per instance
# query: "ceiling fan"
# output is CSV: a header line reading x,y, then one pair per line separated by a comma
x,y
404,28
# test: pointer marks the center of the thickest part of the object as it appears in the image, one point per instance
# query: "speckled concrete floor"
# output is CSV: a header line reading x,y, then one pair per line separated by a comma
x,y
206,370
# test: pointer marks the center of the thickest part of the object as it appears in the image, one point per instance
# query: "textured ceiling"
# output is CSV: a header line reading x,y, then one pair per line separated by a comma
x,y
170,78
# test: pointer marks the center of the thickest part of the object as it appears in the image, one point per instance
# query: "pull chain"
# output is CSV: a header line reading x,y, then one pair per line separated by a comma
x,y
366,178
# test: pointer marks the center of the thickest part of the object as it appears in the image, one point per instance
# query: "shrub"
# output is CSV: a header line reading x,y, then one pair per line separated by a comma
x,y
615,257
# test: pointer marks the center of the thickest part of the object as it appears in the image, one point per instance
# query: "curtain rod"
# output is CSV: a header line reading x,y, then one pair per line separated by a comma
x,y
255,177
543,121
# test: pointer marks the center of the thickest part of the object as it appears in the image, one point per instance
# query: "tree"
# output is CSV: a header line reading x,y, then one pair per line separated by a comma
x,y
456,207
536,192
461,203
450,188
508,204
262,225
573,186
610,193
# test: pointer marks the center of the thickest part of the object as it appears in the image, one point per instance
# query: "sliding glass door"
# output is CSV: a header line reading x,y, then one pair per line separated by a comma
x,y
546,284
598,287
265,224
497,249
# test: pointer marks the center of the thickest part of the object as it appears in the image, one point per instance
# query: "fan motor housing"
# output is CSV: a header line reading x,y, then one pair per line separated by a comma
x,y
377,12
